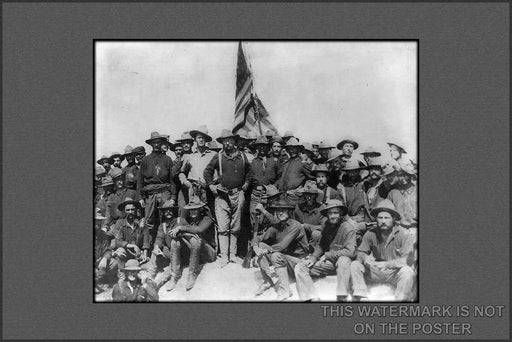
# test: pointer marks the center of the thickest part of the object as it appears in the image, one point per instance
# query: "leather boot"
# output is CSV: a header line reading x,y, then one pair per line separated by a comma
x,y
223,248
175,265
192,268
233,240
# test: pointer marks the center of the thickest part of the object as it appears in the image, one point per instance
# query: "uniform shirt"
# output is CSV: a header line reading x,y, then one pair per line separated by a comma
x,y
337,240
394,249
202,227
236,170
194,165
286,237
265,171
155,168
123,292
327,194
354,196
294,174
163,234
406,203
311,218
125,234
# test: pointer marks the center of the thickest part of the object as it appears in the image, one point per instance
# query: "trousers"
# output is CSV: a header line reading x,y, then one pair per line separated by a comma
x,y
305,285
402,278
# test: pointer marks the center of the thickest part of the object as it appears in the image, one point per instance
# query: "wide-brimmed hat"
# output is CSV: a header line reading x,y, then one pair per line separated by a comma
x,y
333,154
99,170
270,191
349,141
288,134
334,203
294,142
201,130
270,133
307,147
276,138
101,160
310,188
261,140
168,205
194,204
212,145
226,133
398,145
132,265
185,136
325,144
375,163
127,201
282,203
352,165
116,172
155,136
116,154
315,143
388,206
106,181
320,168
139,149
128,150
371,151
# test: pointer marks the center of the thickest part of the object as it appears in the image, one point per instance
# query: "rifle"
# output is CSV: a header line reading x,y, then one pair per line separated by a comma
x,y
248,256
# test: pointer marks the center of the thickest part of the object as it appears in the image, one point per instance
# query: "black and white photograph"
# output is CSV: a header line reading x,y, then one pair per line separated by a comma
x,y
241,171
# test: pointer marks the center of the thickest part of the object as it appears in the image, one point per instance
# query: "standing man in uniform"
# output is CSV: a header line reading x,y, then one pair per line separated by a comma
x,y
234,173
295,173
156,183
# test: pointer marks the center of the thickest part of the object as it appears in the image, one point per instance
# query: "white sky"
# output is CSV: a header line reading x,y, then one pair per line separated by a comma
x,y
318,90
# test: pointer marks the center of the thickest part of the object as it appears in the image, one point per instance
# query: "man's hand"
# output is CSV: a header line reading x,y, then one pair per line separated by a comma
x,y
213,189
310,262
322,258
380,264
142,222
143,276
174,232
245,187
120,252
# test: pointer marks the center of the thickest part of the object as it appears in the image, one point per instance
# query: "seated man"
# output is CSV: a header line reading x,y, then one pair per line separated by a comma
x,y
279,249
161,255
198,237
136,287
383,255
308,213
129,239
332,255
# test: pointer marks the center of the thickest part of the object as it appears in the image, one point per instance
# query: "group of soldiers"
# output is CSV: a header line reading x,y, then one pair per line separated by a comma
x,y
293,209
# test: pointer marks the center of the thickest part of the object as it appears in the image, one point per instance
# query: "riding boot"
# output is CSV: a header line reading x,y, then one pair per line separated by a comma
x,y
175,265
223,248
192,268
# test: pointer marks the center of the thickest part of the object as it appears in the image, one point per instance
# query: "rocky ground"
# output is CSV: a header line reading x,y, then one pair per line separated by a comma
x,y
234,283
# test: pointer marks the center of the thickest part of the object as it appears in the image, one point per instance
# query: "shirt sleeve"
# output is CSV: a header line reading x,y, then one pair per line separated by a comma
x,y
206,223
407,247
209,170
287,240
267,235
306,171
364,248
348,249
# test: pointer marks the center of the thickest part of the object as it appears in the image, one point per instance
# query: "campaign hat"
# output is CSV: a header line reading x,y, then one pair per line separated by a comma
x,y
387,206
201,130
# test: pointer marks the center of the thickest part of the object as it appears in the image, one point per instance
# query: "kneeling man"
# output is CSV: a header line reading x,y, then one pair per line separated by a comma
x,y
332,255
382,255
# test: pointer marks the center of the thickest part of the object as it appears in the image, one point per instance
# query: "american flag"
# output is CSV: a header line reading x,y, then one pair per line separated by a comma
x,y
250,114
